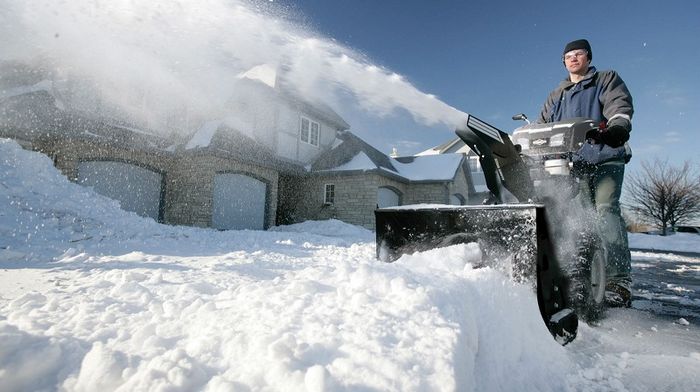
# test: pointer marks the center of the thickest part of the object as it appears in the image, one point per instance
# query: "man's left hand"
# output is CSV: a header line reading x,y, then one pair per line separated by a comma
x,y
615,136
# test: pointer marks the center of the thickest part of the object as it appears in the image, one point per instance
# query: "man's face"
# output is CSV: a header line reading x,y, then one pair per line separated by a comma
x,y
576,61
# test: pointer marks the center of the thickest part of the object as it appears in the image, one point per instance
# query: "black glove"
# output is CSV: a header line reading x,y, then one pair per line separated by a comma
x,y
594,134
615,136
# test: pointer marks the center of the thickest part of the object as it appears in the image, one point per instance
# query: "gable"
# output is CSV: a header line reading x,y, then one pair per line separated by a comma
x,y
353,154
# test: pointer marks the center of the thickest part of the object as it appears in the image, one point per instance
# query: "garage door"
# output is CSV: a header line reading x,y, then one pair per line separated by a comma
x,y
239,202
136,188
387,197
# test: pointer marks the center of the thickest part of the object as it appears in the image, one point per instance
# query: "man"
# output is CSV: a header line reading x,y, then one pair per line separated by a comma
x,y
603,97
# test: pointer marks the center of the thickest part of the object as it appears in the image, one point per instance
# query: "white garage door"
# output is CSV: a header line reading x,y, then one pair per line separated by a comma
x,y
136,188
387,197
239,202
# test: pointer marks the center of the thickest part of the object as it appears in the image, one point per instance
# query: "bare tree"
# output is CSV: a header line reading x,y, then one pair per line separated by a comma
x,y
665,195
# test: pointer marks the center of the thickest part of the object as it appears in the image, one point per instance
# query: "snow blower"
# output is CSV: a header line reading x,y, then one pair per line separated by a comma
x,y
537,223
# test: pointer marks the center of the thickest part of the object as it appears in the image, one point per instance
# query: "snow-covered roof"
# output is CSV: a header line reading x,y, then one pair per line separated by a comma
x,y
441,167
44,85
202,137
455,145
359,162
264,73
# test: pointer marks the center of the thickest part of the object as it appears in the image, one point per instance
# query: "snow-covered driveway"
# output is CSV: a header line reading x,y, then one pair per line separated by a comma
x,y
92,298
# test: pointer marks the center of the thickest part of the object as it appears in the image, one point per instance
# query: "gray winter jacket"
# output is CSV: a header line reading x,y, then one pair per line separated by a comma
x,y
600,96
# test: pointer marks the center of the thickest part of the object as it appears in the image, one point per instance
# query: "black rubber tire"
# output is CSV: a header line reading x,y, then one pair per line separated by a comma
x,y
588,279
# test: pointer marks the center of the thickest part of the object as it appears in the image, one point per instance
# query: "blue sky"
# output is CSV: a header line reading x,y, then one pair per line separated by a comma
x,y
494,59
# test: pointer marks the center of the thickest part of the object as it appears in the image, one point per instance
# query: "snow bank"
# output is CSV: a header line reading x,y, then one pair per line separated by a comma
x,y
684,242
122,303
331,228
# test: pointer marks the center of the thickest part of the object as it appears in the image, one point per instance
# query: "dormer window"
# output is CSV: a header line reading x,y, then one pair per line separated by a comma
x,y
309,131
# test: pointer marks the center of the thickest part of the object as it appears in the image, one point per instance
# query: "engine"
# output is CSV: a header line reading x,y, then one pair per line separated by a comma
x,y
552,144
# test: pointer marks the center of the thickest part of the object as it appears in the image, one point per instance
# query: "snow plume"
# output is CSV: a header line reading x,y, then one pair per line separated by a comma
x,y
172,61
571,216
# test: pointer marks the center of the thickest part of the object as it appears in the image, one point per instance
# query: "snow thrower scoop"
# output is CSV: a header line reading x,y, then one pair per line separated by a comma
x,y
524,226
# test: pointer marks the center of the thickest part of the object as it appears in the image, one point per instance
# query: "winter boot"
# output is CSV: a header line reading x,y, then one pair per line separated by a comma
x,y
617,295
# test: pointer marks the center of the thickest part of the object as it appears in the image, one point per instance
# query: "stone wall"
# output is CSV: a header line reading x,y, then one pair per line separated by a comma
x,y
68,153
460,185
190,185
355,198
356,195
188,178
435,193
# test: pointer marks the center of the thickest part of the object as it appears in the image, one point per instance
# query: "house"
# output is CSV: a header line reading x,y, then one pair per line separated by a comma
x,y
350,180
480,191
273,158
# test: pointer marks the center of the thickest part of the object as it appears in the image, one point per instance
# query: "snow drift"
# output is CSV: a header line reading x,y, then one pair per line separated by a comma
x,y
119,302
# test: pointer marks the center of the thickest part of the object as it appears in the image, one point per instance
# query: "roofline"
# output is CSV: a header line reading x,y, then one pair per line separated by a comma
x,y
383,172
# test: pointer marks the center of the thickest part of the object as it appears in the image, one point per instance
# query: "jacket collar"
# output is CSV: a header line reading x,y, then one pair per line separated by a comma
x,y
566,83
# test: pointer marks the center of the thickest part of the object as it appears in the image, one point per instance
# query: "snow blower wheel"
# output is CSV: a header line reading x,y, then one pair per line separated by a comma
x,y
588,278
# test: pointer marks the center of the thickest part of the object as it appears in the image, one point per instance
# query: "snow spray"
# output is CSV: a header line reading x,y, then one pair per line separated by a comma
x,y
157,62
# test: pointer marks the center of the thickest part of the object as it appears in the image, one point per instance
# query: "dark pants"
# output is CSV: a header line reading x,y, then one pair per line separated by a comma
x,y
606,186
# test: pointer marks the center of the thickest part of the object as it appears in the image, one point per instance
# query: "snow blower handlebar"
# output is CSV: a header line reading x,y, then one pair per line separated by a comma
x,y
500,160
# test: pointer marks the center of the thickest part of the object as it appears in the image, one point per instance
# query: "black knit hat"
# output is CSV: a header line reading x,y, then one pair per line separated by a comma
x,y
579,44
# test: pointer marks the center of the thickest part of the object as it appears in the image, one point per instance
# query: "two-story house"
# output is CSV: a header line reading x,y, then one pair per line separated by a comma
x,y
273,157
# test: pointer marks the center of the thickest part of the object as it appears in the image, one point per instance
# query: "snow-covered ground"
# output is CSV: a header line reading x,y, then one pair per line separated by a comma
x,y
678,242
96,299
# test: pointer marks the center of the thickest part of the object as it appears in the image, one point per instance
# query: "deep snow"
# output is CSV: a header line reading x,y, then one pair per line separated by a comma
x,y
94,298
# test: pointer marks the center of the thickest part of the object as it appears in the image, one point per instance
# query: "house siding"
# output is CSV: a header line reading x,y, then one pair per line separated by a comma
x,y
289,126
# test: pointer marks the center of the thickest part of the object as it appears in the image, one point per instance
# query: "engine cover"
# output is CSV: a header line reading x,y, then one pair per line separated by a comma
x,y
553,140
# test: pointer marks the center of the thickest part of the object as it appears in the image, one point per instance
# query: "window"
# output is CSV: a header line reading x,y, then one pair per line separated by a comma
x,y
310,131
329,194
